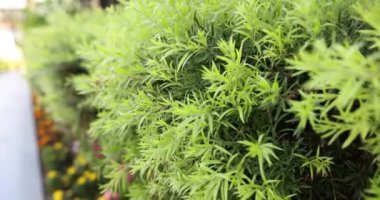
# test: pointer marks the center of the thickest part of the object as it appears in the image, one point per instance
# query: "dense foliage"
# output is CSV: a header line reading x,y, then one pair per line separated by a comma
x,y
226,99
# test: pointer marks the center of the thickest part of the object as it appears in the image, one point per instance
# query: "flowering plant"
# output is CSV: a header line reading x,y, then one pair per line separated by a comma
x,y
68,174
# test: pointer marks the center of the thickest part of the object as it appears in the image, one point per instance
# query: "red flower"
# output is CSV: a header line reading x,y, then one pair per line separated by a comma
x,y
97,150
130,177
111,195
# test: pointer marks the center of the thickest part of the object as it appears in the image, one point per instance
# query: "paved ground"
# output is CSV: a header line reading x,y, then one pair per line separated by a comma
x,y
20,172
8,49
20,176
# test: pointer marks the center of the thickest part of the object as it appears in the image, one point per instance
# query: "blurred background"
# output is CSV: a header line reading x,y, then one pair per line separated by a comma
x,y
189,99
42,157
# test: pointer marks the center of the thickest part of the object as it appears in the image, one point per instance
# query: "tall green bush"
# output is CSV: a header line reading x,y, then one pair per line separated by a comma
x,y
231,99
195,97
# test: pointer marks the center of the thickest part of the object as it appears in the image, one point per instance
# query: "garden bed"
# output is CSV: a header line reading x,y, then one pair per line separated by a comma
x,y
66,171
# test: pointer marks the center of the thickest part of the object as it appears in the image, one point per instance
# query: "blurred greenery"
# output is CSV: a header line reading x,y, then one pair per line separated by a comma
x,y
50,53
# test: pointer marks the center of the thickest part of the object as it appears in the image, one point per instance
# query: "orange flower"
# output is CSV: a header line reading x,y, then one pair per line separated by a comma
x,y
38,113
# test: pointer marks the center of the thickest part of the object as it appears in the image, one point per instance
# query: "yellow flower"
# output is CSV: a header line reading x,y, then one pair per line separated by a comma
x,y
58,146
81,180
81,160
101,198
52,174
90,175
71,170
58,195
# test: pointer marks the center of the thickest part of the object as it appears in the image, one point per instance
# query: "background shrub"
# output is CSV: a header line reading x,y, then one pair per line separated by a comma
x,y
50,53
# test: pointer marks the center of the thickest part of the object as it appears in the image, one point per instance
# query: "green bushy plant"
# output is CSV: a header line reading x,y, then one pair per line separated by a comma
x,y
195,98
340,100
225,99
